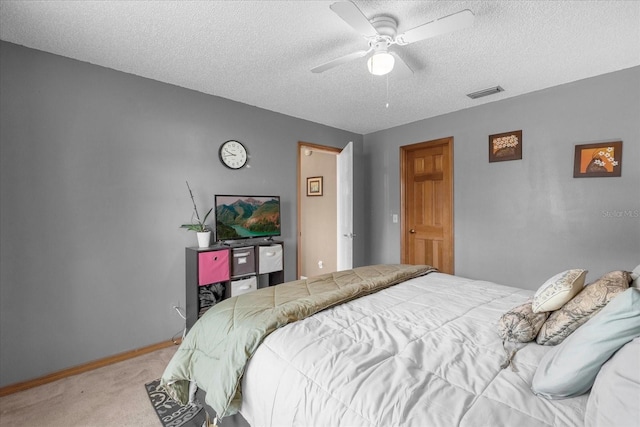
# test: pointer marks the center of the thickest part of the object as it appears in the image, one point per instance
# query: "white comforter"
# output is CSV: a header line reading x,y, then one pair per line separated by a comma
x,y
421,353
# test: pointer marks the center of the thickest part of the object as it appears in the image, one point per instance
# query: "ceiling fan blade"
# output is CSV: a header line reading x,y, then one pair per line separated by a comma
x,y
350,14
444,25
340,61
400,67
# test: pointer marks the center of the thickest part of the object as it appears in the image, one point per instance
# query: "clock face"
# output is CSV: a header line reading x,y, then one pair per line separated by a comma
x,y
233,154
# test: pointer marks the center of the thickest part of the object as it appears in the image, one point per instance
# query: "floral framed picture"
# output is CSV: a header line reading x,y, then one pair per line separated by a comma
x,y
314,186
602,159
505,146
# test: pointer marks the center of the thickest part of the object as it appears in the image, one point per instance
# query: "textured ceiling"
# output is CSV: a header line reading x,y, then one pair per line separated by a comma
x,y
261,52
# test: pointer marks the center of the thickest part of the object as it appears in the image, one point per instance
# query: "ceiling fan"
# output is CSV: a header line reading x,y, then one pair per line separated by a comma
x,y
381,33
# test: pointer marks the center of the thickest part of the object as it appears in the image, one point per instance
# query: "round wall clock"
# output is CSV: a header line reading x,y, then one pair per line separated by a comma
x,y
233,154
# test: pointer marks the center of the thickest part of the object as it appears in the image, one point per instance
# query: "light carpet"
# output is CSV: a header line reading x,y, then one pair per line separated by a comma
x,y
113,395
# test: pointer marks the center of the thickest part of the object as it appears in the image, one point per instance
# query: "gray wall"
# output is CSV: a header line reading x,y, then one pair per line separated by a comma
x,y
94,164
519,222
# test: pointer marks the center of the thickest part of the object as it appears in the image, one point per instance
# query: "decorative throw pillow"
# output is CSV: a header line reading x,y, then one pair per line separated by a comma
x,y
570,369
611,401
555,292
582,307
521,324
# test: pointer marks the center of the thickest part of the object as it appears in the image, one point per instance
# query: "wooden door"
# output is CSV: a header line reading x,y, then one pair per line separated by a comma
x,y
426,189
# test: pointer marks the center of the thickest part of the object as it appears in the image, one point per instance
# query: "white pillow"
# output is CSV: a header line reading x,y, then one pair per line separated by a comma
x,y
635,276
569,369
614,396
559,289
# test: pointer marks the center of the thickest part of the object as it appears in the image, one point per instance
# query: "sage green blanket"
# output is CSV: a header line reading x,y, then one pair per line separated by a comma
x,y
217,348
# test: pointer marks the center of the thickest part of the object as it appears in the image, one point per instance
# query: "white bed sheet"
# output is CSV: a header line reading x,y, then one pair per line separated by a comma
x,y
422,353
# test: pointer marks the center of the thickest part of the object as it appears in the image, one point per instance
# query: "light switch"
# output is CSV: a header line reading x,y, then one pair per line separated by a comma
x,y
394,218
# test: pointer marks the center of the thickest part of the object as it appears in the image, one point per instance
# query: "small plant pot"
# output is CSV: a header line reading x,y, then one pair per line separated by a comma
x,y
204,239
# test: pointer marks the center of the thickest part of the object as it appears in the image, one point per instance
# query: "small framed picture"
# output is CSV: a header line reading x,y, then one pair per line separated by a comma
x,y
314,186
505,146
602,159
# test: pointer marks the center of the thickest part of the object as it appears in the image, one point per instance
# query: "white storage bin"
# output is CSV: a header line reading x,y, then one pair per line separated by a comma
x,y
242,286
270,259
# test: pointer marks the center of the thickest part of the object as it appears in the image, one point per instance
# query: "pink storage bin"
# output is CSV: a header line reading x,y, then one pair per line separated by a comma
x,y
213,267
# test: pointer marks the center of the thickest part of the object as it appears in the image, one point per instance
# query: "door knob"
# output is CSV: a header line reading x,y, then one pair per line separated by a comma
x,y
412,231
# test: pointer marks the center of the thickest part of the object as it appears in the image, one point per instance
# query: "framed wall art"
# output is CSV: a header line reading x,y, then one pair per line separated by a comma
x,y
602,159
505,146
314,186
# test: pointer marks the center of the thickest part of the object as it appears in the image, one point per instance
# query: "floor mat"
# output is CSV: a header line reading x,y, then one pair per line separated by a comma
x,y
170,412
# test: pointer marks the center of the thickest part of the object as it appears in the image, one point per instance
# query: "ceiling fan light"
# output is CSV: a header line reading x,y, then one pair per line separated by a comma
x,y
380,63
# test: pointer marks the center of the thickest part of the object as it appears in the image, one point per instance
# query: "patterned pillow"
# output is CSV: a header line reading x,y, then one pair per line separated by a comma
x,y
582,307
521,324
555,292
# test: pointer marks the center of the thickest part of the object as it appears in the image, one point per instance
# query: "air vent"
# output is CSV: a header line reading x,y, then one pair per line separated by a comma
x,y
485,92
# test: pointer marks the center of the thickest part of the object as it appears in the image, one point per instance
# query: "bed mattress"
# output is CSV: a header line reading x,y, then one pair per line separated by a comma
x,y
425,352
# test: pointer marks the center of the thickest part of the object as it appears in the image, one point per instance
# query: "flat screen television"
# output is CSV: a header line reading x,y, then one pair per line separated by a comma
x,y
246,217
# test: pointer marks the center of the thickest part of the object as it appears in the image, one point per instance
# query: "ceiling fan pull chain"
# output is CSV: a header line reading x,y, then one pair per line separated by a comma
x,y
387,104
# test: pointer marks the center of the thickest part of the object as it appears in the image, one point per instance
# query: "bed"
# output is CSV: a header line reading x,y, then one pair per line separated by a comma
x,y
422,350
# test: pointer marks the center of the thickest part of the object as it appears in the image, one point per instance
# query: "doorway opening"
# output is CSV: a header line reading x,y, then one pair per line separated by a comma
x,y
317,209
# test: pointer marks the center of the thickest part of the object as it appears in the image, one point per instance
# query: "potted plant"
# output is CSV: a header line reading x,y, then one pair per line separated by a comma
x,y
202,230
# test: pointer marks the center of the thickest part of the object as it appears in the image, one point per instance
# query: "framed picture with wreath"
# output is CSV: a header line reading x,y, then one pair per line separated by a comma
x,y
602,159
